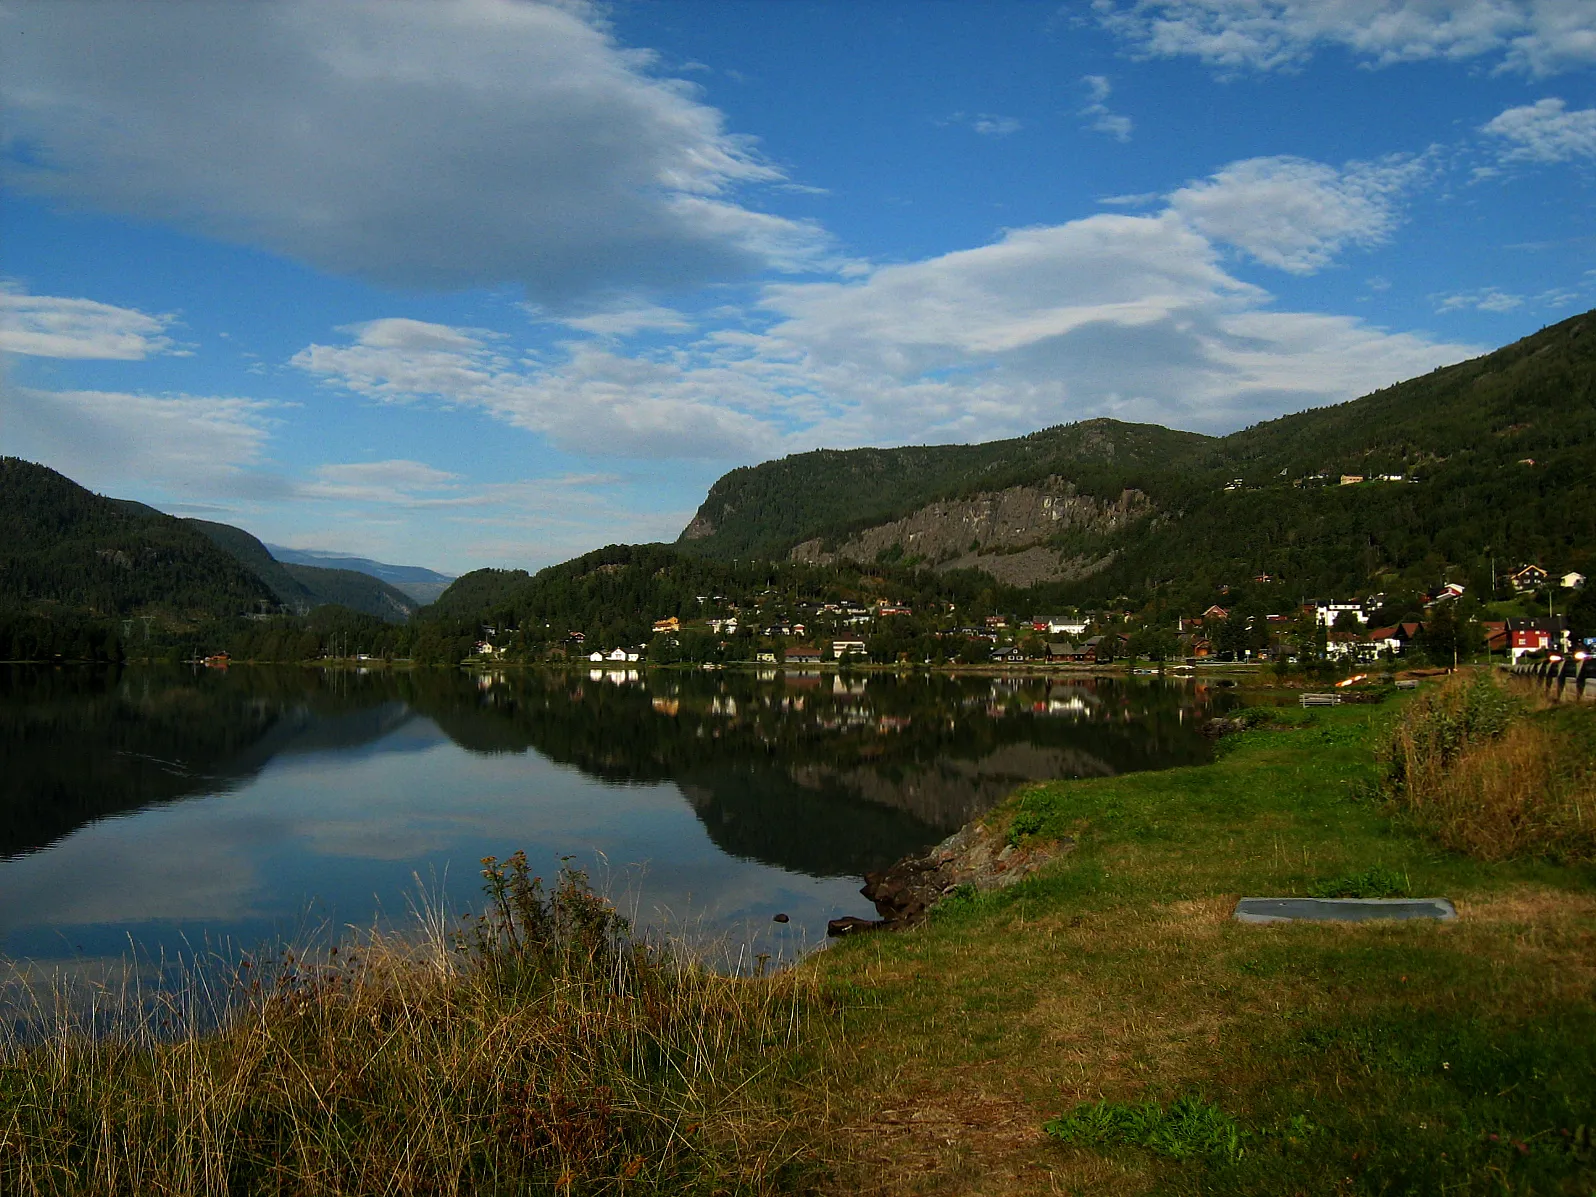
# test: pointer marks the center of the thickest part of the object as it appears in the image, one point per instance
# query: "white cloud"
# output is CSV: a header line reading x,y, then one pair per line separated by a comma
x,y
186,443
596,401
1488,299
1294,214
1545,131
1132,316
985,123
1105,120
623,322
53,326
447,143
1494,299
399,481
1536,37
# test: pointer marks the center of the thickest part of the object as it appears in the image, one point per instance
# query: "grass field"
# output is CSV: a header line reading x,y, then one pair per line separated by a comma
x,y
1174,1050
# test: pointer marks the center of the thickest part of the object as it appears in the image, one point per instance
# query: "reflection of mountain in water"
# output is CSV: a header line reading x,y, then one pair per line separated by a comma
x,y
823,776
819,775
824,830
86,744
949,793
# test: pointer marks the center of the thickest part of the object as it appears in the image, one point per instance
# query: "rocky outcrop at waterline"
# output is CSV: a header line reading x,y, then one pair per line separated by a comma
x,y
973,857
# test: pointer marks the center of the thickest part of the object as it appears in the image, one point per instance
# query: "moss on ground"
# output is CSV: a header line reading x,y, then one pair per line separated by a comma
x,y
1374,1058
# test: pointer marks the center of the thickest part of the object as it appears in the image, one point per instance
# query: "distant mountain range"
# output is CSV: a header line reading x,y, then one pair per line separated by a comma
x,y
422,584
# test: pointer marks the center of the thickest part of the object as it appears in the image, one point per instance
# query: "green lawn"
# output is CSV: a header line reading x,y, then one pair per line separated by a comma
x,y
1381,1058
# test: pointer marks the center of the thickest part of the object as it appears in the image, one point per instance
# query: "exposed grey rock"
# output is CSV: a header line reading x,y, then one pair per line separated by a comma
x,y
973,856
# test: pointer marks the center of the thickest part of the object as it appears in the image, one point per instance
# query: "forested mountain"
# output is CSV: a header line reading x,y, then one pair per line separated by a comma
x,y
62,546
764,510
78,569
1491,458
301,588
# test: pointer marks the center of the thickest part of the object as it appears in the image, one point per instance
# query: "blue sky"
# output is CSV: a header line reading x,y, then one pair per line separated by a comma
x,y
485,282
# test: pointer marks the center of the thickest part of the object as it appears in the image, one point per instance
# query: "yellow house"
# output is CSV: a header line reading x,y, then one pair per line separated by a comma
x,y
668,625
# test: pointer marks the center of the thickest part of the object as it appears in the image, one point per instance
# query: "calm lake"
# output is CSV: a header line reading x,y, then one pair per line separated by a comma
x,y
164,808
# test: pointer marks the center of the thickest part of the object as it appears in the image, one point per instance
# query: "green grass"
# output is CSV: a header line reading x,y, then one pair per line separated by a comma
x,y
1374,1058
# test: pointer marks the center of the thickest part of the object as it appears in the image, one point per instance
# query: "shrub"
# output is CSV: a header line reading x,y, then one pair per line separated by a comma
x,y
1485,775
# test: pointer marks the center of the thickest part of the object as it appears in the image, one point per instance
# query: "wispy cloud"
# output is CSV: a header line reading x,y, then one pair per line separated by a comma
x,y
184,443
54,326
1134,316
1533,37
987,124
1103,119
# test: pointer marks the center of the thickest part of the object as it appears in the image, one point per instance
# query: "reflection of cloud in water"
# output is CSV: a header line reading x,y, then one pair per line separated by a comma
x,y
345,829
734,799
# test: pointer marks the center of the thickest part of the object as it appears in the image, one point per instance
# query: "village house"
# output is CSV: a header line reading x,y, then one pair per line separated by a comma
x,y
1572,580
1326,613
843,648
1537,635
671,624
1446,594
1394,639
1529,577
803,654
1061,625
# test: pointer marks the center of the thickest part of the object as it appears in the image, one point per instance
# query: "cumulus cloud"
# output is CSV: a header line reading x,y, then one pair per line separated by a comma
x,y
1294,214
596,401
1545,131
187,443
439,143
1132,316
1536,37
55,326
1104,119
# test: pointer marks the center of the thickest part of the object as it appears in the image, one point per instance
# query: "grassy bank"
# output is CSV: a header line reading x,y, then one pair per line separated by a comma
x,y
1102,1027
1173,1050
540,1048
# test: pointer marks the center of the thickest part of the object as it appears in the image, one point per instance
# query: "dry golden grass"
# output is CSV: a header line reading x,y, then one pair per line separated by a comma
x,y
1487,777
563,1058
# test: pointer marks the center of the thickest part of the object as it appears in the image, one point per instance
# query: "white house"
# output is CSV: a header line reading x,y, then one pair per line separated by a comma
x,y
1326,614
1572,580
1067,625
841,648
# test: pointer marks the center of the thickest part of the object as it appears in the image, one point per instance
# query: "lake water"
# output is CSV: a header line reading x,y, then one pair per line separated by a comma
x,y
163,808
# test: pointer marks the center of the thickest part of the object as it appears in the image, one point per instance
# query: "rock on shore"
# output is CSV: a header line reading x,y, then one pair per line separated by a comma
x,y
973,856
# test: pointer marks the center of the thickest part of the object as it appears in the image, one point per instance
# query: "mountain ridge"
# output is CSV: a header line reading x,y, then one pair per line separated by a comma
x,y
1498,446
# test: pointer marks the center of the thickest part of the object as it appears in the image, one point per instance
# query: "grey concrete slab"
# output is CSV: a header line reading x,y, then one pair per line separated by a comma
x,y
1341,910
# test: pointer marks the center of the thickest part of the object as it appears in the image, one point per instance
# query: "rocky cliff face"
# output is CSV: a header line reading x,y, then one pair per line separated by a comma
x,y
1005,533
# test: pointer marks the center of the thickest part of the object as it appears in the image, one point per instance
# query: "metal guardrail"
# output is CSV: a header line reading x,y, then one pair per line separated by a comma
x,y
1572,678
